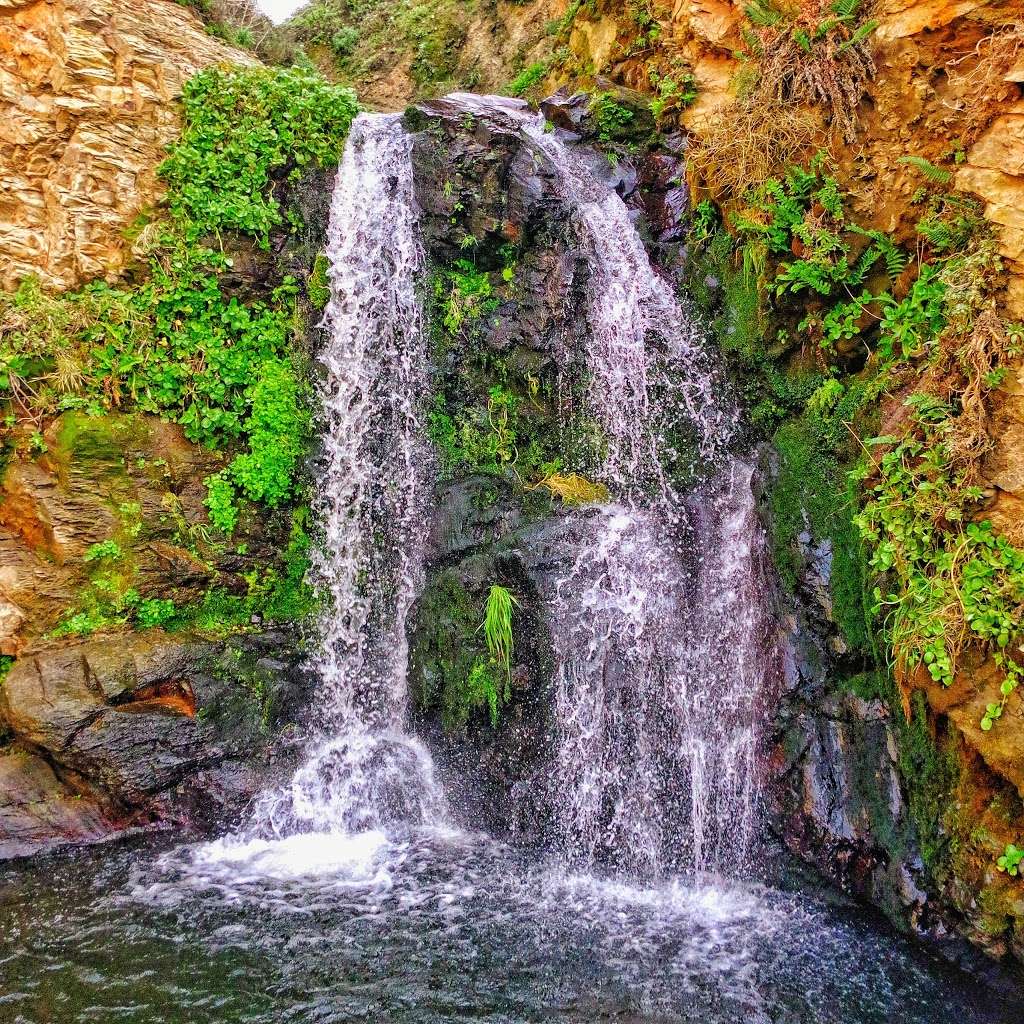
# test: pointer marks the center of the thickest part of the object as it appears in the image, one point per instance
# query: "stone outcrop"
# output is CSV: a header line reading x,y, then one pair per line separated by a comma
x,y
131,479
133,730
87,90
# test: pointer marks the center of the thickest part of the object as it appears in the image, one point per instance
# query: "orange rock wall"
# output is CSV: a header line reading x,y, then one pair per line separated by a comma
x,y
930,96
86,109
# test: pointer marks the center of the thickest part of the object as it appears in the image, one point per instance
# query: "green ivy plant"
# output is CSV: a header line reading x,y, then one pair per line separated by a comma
x,y
1011,860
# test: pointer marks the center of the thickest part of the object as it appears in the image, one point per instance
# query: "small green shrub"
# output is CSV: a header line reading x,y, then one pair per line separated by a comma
x,y
529,78
104,550
154,612
615,122
243,129
1011,860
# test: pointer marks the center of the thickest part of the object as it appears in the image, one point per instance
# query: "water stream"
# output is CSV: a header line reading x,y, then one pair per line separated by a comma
x,y
353,893
661,633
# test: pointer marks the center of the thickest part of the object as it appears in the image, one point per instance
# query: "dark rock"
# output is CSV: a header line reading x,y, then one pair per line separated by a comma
x,y
567,110
126,731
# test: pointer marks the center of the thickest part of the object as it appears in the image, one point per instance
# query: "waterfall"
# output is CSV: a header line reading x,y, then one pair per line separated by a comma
x,y
362,770
659,626
650,375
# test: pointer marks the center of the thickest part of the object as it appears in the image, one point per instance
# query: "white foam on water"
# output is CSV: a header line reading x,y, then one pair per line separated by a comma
x,y
357,857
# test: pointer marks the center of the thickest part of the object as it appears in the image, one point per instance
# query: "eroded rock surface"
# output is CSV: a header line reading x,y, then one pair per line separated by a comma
x,y
132,730
87,91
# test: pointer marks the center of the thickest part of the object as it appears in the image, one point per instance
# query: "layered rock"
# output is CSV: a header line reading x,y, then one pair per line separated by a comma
x,y
133,730
87,108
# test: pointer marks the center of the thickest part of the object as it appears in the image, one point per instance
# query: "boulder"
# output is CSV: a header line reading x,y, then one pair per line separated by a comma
x,y
137,729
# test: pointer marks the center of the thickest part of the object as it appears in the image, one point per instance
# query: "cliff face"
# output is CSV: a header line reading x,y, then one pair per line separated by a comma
x,y
86,109
87,93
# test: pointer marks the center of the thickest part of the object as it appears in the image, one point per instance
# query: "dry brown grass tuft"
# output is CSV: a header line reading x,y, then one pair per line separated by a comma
x,y
574,489
811,57
744,145
966,371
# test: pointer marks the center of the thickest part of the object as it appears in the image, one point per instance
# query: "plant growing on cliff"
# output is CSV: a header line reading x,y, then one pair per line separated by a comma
x,y
497,627
816,54
947,577
614,120
245,129
1011,860
178,343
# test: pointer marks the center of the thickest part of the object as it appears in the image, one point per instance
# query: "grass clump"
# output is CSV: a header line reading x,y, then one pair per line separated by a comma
x,y
816,54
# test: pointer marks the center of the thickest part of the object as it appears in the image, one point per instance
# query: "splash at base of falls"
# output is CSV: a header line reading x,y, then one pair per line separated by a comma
x,y
431,928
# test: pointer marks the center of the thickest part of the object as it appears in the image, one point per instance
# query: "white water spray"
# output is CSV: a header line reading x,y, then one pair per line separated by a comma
x,y
362,770
659,625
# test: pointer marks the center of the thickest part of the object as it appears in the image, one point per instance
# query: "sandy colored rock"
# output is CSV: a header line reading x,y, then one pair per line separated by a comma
x,y
901,18
87,107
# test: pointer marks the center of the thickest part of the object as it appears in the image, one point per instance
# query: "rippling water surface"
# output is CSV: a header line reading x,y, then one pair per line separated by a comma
x,y
433,926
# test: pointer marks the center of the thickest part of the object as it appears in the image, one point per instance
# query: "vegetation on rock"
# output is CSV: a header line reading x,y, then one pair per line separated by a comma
x,y
176,338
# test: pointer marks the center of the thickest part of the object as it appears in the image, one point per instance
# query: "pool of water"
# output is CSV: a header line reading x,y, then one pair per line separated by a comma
x,y
431,926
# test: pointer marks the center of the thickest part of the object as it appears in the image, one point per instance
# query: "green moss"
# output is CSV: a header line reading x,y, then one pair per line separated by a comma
x,y
812,494
873,685
930,770
318,288
104,442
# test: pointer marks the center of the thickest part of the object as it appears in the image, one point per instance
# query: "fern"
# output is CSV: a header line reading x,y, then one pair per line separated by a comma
x,y
497,627
795,277
867,259
928,169
938,234
896,259
831,198
863,31
845,10
753,41
762,14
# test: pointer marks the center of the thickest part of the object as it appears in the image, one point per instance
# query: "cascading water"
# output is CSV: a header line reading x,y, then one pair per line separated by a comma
x,y
333,905
362,770
659,625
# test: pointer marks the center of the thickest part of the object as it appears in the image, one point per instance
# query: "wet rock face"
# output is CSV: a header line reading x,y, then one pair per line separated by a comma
x,y
131,730
897,811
